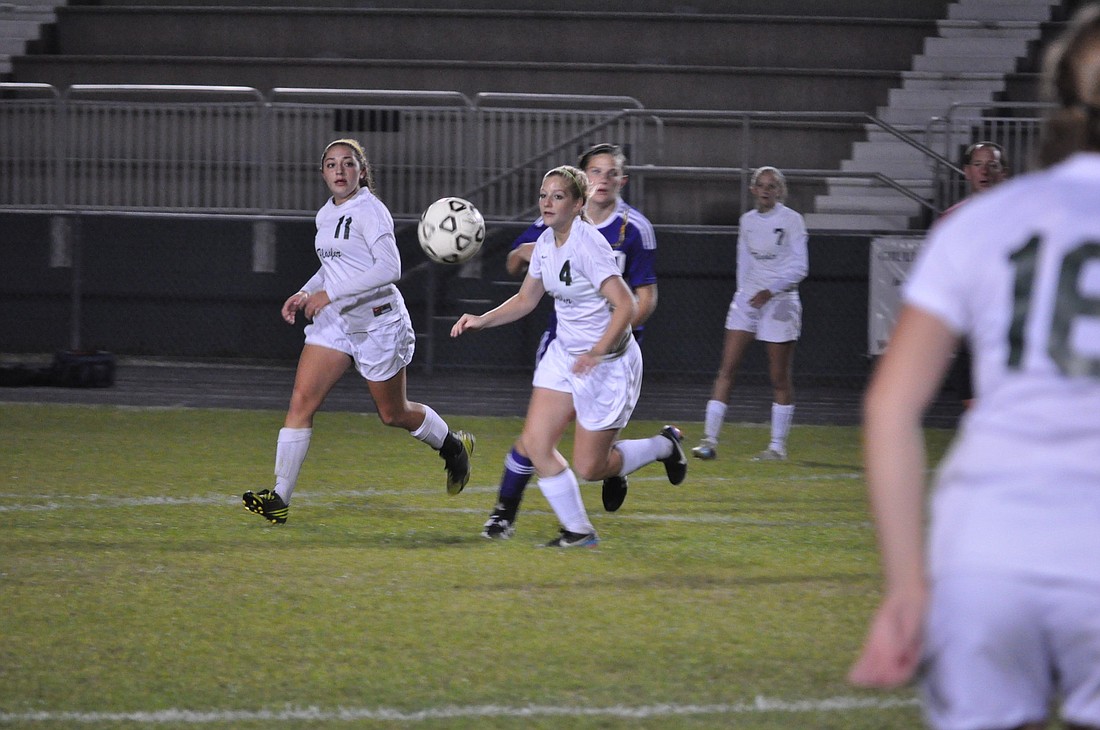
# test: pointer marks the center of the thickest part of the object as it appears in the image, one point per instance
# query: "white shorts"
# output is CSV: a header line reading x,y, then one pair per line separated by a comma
x,y
603,398
1000,649
780,320
379,353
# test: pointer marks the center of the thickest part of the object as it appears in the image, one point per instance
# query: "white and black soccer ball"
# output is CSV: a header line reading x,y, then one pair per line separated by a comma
x,y
451,231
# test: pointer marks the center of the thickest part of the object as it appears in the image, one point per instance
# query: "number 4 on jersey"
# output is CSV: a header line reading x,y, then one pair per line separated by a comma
x,y
565,275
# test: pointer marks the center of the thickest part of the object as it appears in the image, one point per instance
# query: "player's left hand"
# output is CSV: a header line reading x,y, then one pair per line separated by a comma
x,y
585,363
466,322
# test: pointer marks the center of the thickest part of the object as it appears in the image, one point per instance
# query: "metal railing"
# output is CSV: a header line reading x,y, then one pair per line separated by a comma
x,y
236,150
235,153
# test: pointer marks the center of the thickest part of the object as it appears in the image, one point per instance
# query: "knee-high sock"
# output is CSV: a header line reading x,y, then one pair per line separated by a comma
x,y
433,430
564,495
290,453
781,426
712,420
517,472
639,452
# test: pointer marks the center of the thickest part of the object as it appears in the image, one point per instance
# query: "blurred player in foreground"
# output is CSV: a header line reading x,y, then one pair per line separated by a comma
x,y
1002,613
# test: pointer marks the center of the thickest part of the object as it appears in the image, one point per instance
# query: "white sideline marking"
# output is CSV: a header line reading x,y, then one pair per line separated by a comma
x,y
316,714
52,502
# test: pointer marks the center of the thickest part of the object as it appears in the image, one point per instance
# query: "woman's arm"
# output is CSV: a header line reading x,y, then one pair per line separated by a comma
x,y
905,382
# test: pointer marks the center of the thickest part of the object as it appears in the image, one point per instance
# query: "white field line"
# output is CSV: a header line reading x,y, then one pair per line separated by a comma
x,y
55,501
758,705
11,503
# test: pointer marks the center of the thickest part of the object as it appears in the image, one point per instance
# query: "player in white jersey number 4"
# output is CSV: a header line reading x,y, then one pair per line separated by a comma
x,y
591,372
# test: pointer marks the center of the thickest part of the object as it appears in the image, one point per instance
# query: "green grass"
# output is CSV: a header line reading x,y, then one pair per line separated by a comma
x,y
132,581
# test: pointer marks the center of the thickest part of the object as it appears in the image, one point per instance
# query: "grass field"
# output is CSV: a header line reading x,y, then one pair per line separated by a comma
x,y
136,590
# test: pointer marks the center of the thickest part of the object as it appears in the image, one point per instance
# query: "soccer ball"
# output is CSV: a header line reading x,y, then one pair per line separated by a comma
x,y
451,231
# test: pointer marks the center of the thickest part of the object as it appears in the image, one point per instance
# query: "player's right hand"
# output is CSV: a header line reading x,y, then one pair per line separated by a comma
x,y
466,322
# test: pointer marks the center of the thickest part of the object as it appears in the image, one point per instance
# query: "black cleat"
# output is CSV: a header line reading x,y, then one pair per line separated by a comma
x,y
457,449
267,504
676,463
498,527
569,539
614,492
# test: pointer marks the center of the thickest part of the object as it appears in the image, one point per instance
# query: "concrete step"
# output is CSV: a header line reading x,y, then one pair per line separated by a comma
x,y
999,10
948,81
16,27
892,167
915,116
855,222
1022,29
869,188
885,147
983,64
975,46
12,46
935,98
896,204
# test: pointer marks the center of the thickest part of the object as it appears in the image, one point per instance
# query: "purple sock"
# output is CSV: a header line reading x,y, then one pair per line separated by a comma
x,y
517,472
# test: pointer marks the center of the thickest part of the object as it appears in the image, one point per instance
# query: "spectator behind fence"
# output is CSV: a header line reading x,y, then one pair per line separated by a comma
x,y
1001,611
984,165
591,371
358,317
635,247
772,259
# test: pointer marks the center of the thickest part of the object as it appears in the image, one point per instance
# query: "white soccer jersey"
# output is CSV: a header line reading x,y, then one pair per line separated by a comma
x,y
360,263
572,275
1017,271
771,251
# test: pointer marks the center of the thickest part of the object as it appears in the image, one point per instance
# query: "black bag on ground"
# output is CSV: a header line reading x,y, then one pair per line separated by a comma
x,y
72,369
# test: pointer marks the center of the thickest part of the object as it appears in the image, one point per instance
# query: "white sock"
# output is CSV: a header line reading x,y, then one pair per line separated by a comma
x,y
290,453
564,495
433,430
639,452
781,426
712,420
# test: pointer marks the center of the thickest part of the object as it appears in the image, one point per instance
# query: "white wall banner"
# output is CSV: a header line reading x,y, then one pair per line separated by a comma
x,y
891,258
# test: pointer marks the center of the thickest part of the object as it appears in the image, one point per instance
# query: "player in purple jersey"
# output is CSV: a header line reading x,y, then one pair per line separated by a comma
x,y
635,245
991,597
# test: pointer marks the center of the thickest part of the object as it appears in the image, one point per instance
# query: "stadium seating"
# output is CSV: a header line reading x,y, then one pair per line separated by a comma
x,y
792,55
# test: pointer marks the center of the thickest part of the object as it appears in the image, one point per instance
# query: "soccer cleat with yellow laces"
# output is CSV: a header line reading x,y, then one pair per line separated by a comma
x,y
267,504
456,451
